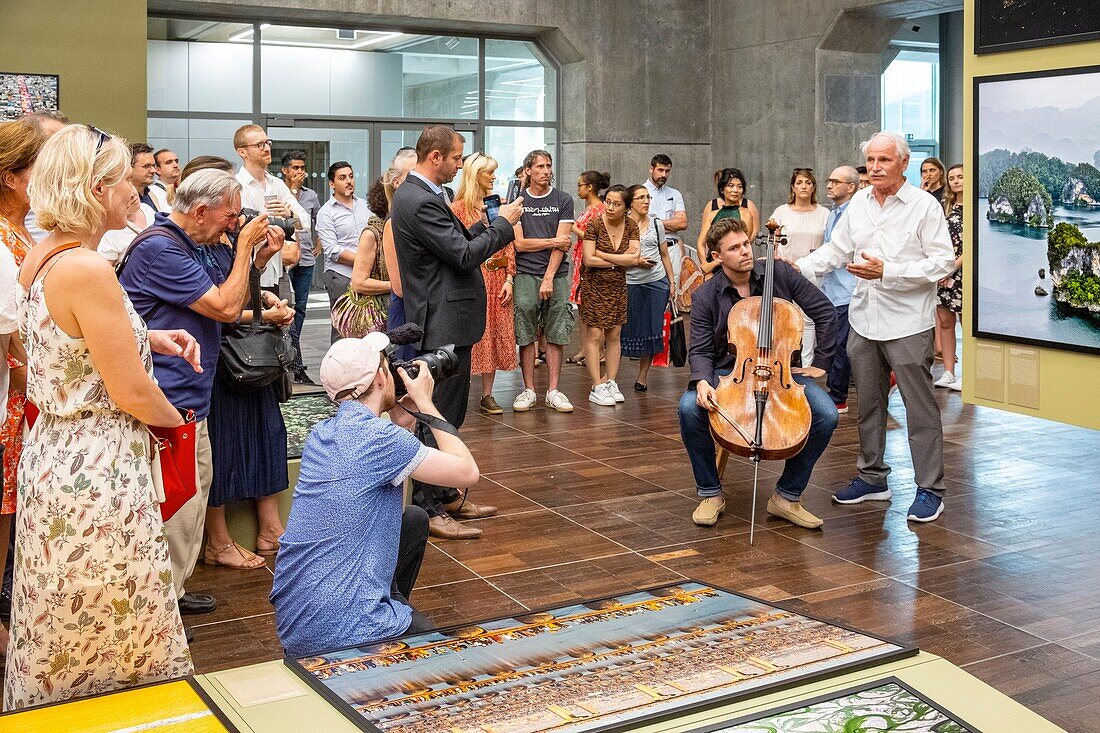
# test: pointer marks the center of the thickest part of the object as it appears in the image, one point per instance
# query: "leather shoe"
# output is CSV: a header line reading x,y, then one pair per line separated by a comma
x,y
302,377
446,528
708,511
468,510
795,513
194,603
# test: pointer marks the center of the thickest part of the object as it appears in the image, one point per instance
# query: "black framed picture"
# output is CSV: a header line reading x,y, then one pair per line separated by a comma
x,y
1035,228
179,704
609,664
885,704
22,94
1008,25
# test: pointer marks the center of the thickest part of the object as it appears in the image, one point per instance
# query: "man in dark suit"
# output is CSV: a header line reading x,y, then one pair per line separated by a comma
x,y
440,266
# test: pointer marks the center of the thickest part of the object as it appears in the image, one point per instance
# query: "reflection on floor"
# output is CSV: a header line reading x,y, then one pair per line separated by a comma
x,y
599,502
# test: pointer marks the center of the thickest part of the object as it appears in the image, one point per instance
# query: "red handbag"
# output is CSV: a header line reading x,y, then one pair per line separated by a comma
x,y
172,454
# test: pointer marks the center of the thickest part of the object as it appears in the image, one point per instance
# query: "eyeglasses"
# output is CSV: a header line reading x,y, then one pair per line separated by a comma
x,y
103,137
258,145
837,182
643,198
471,157
803,170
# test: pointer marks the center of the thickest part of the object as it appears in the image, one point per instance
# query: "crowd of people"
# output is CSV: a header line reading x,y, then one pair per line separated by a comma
x,y
122,270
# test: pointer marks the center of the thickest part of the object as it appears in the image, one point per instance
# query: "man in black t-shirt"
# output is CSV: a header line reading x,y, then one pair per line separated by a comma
x,y
541,289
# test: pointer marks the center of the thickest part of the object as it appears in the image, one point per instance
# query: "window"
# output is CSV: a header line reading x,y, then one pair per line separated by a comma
x,y
910,103
345,93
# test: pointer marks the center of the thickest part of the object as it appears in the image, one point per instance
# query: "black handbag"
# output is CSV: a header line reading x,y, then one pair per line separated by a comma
x,y
677,337
255,354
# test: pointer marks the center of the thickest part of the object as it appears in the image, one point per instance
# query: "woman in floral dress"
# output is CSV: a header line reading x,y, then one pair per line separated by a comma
x,y
93,605
20,142
497,348
950,300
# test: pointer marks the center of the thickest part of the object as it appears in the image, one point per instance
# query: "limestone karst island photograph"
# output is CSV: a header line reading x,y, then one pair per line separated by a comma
x,y
1037,224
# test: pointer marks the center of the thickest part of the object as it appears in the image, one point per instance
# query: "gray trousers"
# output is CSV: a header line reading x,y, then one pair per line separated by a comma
x,y
910,358
335,285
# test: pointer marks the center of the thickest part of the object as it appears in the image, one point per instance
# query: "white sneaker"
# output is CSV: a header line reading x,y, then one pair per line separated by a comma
x,y
525,400
946,380
957,385
601,396
558,401
614,391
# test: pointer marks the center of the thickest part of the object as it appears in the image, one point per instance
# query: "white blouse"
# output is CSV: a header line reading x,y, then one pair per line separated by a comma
x,y
805,230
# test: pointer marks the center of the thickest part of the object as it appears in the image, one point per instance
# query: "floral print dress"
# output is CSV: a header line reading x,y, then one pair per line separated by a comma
x,y
951,296
93,606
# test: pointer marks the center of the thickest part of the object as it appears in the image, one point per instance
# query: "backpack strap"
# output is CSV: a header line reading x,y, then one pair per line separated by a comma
x,y
146,234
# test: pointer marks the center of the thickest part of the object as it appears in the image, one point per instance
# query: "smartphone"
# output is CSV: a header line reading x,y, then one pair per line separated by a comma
x,y
269,200
492,206
514,189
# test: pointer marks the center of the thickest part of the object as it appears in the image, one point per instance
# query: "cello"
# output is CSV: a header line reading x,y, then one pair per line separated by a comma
x,y
759,411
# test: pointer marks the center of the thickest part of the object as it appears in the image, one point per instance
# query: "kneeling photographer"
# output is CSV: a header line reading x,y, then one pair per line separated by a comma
x,y
350,554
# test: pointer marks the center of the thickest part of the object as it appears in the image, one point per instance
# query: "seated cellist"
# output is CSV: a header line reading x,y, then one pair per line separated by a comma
x,y
741,276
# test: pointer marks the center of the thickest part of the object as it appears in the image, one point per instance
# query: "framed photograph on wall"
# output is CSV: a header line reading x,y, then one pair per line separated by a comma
x,y
610,664
885,704
1035,228
22,94
1008,25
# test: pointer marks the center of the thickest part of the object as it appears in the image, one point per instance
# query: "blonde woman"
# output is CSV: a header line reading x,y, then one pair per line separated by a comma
x,y
497,348
93,605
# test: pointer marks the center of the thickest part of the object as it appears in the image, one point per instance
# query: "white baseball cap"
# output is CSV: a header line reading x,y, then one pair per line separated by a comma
x,y
351,364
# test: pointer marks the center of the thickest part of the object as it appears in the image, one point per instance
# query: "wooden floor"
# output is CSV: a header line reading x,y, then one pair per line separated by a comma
x,y
1006,584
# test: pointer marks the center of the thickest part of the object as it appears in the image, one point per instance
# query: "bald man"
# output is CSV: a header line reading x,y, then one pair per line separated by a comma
x,y
838,285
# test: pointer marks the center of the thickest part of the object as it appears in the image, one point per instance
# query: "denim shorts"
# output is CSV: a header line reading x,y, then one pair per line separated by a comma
x,y
554,316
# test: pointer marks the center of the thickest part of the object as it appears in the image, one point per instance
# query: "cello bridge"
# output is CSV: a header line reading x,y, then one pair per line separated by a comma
x,y
762,371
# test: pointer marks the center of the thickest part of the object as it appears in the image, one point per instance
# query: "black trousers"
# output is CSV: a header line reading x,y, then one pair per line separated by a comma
x,y
450,397
410,555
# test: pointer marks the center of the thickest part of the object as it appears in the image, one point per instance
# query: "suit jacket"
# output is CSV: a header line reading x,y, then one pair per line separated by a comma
x,y
440,262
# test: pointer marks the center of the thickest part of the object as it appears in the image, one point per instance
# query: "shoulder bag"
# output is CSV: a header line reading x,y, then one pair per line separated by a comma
x,y
254,354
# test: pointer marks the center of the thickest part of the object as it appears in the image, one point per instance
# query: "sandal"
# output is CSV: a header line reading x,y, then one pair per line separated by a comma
x,y
267,551
639,387
575,360
212,558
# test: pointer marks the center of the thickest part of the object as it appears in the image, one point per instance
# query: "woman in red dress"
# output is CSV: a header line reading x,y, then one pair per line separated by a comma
x,y
590,186
497,348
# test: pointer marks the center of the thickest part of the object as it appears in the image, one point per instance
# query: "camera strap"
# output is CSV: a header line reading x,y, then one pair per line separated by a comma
x,y
431,420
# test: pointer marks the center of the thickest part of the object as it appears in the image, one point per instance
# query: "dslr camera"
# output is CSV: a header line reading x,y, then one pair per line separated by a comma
x,y
442,363
286,225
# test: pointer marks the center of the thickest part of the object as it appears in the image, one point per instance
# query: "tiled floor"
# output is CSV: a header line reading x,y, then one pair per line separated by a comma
x,y
598,502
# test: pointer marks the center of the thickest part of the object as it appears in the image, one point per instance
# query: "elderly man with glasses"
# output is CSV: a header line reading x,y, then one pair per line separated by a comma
x,y
838,285
263,192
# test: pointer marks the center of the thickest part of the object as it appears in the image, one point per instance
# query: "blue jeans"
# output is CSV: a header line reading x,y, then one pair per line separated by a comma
x,y
695,432
300,280
841,371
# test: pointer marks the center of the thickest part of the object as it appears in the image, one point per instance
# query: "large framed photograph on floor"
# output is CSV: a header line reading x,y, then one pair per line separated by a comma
x,y
885,704
1035,227
1008,25
609,664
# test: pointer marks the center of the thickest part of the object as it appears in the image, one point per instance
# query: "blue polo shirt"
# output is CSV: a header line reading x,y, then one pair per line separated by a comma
x,y
338,555
163,279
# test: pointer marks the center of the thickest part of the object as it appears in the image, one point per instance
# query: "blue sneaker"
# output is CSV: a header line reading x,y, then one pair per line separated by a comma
x,y
859,491
927,507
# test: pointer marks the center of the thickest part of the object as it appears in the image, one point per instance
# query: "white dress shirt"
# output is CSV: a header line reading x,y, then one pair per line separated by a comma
x,y
666,201
338,228
909,234
252,197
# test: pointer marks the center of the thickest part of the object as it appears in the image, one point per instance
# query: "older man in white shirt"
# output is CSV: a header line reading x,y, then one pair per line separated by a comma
x,y
894,238
263,192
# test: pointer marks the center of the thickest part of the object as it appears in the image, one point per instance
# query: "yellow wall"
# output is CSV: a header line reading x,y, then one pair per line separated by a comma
x,y
96,47
1067,380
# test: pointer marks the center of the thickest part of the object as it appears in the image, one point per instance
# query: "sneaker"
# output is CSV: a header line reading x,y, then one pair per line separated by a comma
x,y
927,507
302,377
841,407
859,491
614,391
525,400
796,514
947,379
600,395
708,511
490,406
957,385
558,401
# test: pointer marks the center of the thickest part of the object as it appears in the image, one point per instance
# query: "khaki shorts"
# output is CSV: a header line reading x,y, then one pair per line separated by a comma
x,y
554,316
